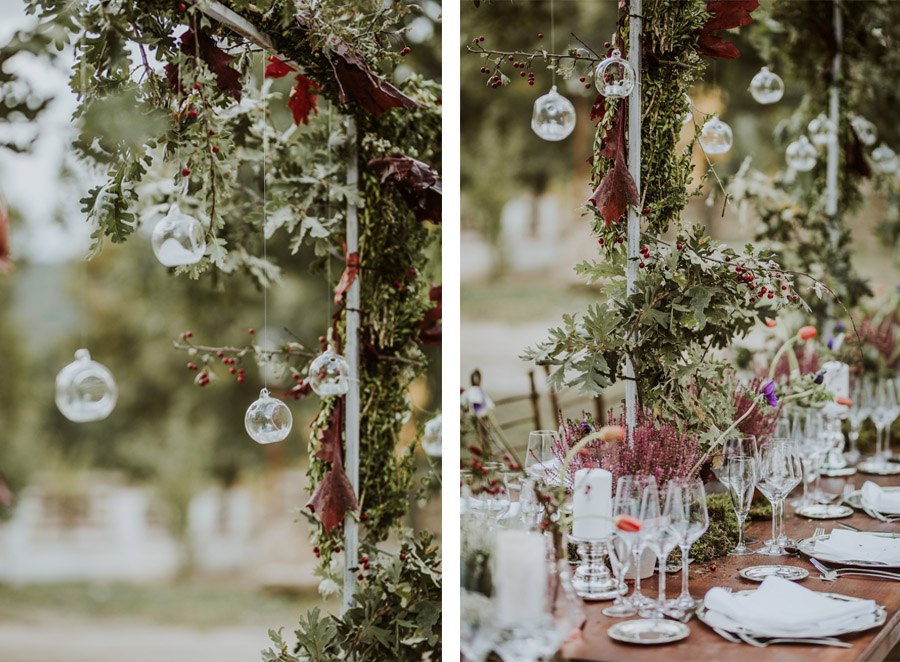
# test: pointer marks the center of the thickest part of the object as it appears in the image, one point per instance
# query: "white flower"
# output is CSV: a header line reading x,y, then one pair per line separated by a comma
x,y
477,401
328,587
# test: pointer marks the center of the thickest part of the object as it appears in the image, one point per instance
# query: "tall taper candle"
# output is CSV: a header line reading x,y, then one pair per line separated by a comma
x,y
592,508
520,576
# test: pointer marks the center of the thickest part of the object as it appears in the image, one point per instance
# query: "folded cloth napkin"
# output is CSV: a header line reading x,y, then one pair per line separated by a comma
x,y
782,607
874,497
855,546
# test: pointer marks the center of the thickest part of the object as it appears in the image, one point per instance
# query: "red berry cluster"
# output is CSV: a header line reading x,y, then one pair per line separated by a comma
x,y
406,51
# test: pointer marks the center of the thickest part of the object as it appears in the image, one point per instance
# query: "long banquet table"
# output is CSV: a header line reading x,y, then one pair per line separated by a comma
x,y
703,644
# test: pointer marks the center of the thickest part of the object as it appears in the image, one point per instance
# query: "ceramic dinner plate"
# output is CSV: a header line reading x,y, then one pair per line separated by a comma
x,y
879,469
757,573
648,631
838,473
824,511
871,620
855,498
808,545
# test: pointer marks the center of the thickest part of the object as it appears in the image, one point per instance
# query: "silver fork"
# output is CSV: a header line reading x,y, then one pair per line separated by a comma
x,y
821,641
880,516
830,575
819,532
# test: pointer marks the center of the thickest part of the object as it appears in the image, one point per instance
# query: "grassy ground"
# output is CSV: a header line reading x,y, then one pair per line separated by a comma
x,y
522,299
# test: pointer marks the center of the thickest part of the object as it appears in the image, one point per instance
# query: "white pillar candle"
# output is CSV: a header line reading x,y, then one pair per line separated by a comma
x,y
520,576
592,508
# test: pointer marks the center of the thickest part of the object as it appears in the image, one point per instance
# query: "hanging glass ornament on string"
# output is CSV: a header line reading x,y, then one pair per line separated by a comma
x,y
178,239
329,374
553,117
268,420
766,87
801,155
614,77
884,160
821,130
716,136
864,129
85,390
431,440
689,113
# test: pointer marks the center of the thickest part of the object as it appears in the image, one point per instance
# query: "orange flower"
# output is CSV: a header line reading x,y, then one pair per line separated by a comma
x,y
612,433
847,402
807,333
627,523
771,323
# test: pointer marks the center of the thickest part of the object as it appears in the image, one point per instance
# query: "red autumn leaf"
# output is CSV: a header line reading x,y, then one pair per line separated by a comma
x,y
617,189
331,437
356,82
278,68
333,498
598,110
351,271
726,14
228,79
430,327
303,99
855,157
418,183
6,264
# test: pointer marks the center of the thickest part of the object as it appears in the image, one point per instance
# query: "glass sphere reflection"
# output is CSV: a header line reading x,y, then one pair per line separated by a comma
x,y
85,389
178,239
268,420
431,440
329,374
553,117
865,130
614,77
884,160
801,155
766,87
821,130
716,136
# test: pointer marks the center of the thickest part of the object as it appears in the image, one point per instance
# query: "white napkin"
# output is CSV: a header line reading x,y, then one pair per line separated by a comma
x,y
880,500
854,546
782,607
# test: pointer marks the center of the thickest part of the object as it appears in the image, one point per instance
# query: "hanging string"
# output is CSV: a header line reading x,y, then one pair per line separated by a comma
x,y
265,190
553,38
328,220
85,276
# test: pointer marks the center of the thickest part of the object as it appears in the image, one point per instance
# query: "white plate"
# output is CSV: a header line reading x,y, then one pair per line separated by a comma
x,y
757,573
865,622
648,631
854,499
808,545
837,473
824,511
879,469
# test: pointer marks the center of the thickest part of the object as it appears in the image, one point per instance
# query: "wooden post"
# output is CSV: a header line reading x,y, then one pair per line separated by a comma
x,y
600,410
554,400
535,402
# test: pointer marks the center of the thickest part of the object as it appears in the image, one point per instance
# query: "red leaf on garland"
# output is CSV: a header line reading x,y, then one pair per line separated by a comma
x,y
418,183
726,14
598,110
228,79
855,157
333,498
6,264
303,99
351,271
356,82
278,68
617,189
430,327
331,437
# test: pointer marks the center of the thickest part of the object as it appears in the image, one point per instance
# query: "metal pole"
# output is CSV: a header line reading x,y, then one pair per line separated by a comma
x,y
351,352
634,219
834,147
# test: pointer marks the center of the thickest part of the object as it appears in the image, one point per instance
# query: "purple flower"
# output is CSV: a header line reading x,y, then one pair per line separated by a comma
x,y
768,390
819,378
831,343
839,327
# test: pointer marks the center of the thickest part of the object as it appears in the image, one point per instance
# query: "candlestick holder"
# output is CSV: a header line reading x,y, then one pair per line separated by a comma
x,y
593,580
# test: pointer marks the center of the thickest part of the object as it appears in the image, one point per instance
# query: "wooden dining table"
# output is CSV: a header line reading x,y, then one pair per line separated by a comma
x,y
702,644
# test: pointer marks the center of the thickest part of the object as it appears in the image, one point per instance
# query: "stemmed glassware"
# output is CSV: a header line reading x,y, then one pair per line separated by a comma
x,y
884,411
628,502
779,472
861,397
658,534
819,444
689,519
732,447
540,461
741,484
633,490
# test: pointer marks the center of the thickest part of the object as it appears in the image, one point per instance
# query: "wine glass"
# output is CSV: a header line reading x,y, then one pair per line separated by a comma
x,y
891,405
540,460
657,534
688,517
632,489
856,414
627,502
779,472
741,483
732,447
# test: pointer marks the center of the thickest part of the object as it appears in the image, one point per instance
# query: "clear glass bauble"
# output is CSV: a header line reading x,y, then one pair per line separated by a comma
x,y
614,77
85,390
178,239
689,113
268,419
766,87
801,155
329,374
864,129
553,117
884,160
821,130
432,439
716,136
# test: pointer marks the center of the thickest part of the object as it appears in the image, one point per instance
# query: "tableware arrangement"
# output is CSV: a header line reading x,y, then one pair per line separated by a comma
x,y
877,550
831,574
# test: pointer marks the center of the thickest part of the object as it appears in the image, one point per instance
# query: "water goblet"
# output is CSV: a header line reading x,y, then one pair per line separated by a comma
x,y
689,518
657,534
741,483
779,472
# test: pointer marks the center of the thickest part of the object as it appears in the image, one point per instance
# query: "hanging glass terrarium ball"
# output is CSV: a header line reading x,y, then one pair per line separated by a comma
x,y
884,160
766,87
268,420
864,129
821,130
85,390
431,440
553,117
801,155
716,136
614,76
178,239
689,113
329,374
